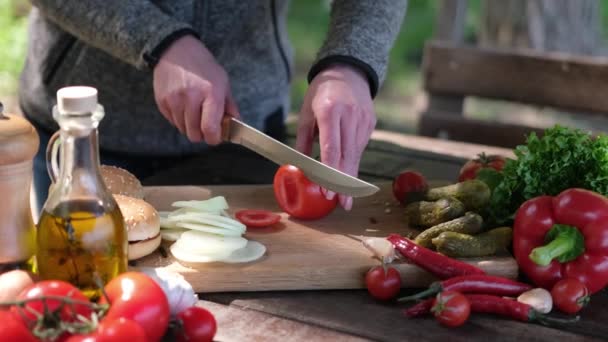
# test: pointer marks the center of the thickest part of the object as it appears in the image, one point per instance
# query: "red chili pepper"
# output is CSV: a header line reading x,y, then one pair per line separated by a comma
x,y
439,265
575,225
476,283
482,303
420,309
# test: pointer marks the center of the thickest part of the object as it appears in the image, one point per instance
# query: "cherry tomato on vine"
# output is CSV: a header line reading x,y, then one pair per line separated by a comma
x,y
570,295
13,329
67,313
120,329
198,325
383,284
470,168
451,308
257,218
298,196
409,186
137,297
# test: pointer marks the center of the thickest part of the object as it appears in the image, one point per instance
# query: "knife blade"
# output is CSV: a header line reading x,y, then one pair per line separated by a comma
x,y
237,132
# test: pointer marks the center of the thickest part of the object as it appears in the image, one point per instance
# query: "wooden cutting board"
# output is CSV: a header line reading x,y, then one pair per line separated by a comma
x,y
302,255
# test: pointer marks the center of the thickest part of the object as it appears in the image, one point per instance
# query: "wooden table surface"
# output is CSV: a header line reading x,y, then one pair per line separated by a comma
x,y
353,315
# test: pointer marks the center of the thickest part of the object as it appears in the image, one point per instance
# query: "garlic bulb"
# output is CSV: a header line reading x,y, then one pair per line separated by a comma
x,y
178,291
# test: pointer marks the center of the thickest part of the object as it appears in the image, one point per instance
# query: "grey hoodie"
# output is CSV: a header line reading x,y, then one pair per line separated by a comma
x,y
113,45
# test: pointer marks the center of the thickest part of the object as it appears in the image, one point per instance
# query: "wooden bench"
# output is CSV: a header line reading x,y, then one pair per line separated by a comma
x,y
453,71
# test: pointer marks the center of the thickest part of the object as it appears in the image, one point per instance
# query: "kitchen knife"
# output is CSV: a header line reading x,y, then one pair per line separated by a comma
x,y
237,132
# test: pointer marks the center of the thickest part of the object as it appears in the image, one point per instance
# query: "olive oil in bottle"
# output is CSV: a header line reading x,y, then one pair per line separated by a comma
x,y
78,242
81,237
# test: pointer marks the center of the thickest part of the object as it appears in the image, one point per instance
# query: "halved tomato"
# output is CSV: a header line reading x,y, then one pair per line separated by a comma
x,y
299,197
257,218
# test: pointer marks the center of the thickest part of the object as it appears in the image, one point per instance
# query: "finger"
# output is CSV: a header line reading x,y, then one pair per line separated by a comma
x,y
163,107
350,131
213,111
329,138
305,133
176,106
230,107
193,116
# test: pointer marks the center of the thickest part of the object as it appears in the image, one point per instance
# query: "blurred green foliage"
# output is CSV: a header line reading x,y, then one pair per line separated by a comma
x,y
13,42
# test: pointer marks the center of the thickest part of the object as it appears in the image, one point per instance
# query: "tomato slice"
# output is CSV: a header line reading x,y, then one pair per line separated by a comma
x,y
257,218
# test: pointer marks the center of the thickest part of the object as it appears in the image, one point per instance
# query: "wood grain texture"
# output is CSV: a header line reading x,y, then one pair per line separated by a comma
x,y
436,124
355,312
242,324
548,79
322,254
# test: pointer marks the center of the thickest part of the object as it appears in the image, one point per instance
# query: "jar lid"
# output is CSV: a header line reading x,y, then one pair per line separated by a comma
x,y
19,140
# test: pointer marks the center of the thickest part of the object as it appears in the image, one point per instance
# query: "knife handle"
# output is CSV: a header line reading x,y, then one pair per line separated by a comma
x,y
226,127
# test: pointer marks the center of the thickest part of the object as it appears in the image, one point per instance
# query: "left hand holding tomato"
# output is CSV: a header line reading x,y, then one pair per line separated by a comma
x,y
338,103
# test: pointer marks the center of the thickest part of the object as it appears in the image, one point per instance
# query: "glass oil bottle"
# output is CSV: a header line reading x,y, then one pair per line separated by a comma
x,y
81,237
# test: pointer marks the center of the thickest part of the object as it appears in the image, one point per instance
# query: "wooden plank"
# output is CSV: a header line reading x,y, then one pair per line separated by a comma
x,y
449,26
242,324
303,255
440,149
357,313
549,79
475,131
451,20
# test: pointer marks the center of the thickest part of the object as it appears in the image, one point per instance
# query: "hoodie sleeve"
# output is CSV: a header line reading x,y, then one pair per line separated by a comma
x,y
361,33
134,31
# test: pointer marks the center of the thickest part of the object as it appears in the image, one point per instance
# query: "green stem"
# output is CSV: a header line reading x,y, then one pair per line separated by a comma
x,y
63,300
566,243
433,289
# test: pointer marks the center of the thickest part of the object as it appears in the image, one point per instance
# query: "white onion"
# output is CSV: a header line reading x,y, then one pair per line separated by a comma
x,y
178,291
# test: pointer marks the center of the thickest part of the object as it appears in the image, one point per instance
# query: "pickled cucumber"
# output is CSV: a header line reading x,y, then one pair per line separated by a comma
x,y
474,194
428,214
470,223
458,245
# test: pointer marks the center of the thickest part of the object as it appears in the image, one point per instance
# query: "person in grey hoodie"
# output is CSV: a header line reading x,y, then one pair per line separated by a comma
x,y
167,71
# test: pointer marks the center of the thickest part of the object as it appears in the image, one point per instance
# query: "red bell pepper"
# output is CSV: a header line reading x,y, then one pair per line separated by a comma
x,y
565,236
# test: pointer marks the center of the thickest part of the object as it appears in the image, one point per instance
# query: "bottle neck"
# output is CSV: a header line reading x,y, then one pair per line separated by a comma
x,y
79,156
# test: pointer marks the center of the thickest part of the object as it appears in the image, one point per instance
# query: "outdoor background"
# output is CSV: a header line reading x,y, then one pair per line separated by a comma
x,y
400,99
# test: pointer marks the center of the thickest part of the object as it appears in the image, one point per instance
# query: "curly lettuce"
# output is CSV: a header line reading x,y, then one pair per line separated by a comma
x,y
562,158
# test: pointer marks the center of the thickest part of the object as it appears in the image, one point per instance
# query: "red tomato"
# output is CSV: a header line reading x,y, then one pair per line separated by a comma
x,y
13,329
120,329
198,325
257,218
570,295
409,186
470,168
451,308
137,297
67,313
298,196
82,338
381,284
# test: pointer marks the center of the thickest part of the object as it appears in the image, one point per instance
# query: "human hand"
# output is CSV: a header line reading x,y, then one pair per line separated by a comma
x,y
192,90
338,103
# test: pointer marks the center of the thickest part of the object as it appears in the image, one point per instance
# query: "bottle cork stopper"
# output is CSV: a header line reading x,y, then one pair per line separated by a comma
x,y
77,99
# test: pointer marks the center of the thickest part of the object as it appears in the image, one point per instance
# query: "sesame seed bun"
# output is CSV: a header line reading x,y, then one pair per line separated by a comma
x,y
121,182
142,223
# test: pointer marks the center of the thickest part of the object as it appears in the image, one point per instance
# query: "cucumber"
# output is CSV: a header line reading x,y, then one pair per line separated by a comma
x,y
458,245
470,223
428,214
